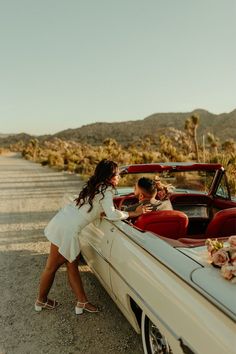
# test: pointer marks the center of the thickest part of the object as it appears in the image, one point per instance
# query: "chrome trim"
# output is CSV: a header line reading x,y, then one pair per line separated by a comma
x,y
98,252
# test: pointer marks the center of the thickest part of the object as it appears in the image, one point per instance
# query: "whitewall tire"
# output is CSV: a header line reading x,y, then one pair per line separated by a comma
x,y
154,342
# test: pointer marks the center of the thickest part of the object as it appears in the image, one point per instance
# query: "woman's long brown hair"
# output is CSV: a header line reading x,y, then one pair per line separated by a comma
x,y
98,183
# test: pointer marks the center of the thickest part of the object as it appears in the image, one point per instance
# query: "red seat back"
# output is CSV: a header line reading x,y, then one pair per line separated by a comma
x,y
223,224
169,223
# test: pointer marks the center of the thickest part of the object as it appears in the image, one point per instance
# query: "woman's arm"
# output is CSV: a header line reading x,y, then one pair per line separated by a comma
x,y
115,214
109,209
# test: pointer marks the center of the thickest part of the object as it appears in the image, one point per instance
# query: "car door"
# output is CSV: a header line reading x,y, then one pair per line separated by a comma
x,y
222,198
96,241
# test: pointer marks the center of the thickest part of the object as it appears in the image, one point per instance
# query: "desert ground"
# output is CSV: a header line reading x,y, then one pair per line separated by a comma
x,y
30,196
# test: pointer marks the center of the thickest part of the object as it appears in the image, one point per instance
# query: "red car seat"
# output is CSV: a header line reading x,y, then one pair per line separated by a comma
x,y
223,224
169,223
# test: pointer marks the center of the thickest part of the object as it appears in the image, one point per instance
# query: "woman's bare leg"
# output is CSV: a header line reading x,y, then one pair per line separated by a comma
x,y
76,283
54,261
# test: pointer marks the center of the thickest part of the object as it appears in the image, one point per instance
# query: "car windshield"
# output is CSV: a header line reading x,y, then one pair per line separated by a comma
x,y
189,181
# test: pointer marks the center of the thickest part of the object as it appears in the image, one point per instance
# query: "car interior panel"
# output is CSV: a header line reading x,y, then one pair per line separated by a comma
x,y
221,203
202,220
198,193
190,242
198,210
223,224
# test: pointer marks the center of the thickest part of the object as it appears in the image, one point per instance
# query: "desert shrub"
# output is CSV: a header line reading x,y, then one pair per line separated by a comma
x,y
70,166
228,161
55,160
82,158
4,151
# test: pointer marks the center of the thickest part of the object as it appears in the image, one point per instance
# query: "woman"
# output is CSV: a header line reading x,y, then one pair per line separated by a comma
x,y
95,199
163,192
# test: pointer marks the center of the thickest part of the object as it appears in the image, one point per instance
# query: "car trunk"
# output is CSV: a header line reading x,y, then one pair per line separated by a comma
x,y
211,283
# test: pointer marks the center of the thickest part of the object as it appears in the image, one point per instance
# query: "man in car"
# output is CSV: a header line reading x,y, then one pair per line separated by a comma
x,y
150,192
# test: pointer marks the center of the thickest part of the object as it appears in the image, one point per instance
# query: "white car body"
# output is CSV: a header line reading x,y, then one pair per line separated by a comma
x,y
175,289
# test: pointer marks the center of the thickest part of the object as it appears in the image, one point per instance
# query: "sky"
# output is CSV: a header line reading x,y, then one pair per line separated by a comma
x,y
68,63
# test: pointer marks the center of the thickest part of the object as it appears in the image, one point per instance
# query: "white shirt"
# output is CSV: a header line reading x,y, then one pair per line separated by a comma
x,y
64,228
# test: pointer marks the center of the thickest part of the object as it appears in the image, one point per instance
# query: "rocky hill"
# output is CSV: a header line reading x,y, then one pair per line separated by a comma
x,y
222,126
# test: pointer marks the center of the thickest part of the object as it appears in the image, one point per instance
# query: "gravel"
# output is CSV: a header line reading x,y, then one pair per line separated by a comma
x,y
30,196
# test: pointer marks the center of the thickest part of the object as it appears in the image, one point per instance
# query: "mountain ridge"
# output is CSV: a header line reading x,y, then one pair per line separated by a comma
x,y
222,125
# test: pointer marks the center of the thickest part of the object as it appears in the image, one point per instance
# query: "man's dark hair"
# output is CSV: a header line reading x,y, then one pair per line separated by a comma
x,y
147,185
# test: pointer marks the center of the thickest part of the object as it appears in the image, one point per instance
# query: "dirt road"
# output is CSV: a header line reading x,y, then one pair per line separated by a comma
x,y
30,195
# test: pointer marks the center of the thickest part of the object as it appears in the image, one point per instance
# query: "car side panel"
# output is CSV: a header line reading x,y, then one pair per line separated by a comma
x,y
95,241
177,309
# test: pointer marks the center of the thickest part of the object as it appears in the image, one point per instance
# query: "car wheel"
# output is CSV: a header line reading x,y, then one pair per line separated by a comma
x,y
154,342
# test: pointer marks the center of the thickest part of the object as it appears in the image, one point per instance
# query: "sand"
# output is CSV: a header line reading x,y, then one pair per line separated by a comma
x,y
30,196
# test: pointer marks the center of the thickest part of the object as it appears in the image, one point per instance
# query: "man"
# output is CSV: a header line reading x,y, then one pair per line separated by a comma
x,y
147,192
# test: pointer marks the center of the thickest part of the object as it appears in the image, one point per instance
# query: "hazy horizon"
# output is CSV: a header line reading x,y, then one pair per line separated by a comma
x,y
67,64
55,132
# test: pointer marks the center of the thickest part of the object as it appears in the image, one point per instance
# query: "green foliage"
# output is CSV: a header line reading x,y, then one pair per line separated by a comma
x,y
195,119
229,146
4,151
191,125
228,161
80,158
213,142
55,159
168,151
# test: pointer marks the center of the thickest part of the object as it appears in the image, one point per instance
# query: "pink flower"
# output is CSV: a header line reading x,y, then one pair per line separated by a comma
x,y
223,257
210,248
228,271
232,241
233,256
161,195
220,257
234,270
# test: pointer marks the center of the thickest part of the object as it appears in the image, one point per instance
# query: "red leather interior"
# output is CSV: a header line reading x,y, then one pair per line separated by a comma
x,y
220,204
190,198
223,224
169,223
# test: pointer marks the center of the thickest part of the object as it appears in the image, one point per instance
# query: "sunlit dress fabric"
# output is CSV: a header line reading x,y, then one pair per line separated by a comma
x,y
64,228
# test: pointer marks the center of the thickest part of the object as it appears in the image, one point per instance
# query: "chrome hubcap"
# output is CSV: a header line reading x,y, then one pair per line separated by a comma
x,y
158,343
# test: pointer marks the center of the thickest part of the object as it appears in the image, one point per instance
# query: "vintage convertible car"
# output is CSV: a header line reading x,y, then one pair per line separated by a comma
x,y
156,268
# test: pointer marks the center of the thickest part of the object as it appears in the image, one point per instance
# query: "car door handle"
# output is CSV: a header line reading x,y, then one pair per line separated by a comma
x,y
112,229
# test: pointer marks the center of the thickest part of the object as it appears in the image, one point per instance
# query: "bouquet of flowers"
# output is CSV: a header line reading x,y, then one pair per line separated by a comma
x,y
223,256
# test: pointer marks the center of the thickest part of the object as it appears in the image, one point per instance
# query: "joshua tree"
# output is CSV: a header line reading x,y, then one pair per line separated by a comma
x,y
110,142
214,142
168,150
229,146
191,125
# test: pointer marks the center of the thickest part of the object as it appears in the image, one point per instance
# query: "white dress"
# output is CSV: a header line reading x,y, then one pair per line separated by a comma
x,y
64,228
